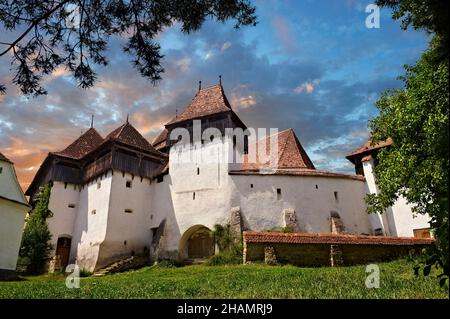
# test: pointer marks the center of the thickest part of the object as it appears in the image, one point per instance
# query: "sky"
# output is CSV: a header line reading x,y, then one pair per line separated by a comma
x,y
309,65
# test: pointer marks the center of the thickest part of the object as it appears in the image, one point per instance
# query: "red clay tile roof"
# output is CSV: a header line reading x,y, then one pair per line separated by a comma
x,y
290,153
313,238
368,147
4,158
128,135
207,101
82,145
297,172
161,140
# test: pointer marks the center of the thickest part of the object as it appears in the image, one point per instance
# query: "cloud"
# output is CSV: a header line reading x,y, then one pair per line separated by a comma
x,y
225,46
284,33
307,87
265,91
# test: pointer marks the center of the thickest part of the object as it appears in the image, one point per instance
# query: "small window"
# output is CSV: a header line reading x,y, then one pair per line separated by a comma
x,y
128,184
336,197
93,212
160,179
125,242
251,185
193,196
151,216
278,193
128,211
245,144
99,184
65,185
71,205
198,170
317,187
1,170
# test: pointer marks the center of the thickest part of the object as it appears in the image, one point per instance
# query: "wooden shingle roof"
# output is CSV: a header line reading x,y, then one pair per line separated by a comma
x,y
128,135
343,239
366,149
161,140
87,142
290,153
207,101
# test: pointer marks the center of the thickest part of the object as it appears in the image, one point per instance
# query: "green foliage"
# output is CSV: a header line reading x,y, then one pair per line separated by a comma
x,y
35,245
49,36
285,229
237,281
416,166
222,236
85,273
428,15
230,250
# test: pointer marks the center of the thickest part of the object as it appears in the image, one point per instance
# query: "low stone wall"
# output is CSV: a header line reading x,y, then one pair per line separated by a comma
x,y
304,249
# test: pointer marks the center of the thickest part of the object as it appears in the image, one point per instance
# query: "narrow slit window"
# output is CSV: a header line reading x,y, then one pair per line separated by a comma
x,y
278,193
1,170
128,211
71,205
193,196
198,170
336,197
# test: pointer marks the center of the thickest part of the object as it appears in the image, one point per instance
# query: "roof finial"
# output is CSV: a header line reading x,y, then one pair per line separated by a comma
x,y
220,80
92,120
199,85
128,114
176,112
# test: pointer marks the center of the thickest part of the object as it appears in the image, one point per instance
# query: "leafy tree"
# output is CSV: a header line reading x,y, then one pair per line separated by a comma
x,y
75,33
416,165
35,240
416,118
428,15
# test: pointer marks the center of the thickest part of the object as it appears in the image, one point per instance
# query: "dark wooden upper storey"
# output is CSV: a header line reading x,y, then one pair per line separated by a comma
x,y
366,152
211,106
90,156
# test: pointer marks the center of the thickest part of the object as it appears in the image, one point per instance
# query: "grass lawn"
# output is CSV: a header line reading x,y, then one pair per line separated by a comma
x,y
397,280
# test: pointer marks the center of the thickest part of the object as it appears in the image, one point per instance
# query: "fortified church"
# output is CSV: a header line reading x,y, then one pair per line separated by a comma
x,y
119,195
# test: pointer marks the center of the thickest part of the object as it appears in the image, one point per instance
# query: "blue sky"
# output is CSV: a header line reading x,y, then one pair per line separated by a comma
x,y
309,65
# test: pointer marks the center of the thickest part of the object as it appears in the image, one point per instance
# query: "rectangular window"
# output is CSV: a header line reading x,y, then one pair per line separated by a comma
x,y
99,184
278,193
1,170
128,211
198,170
71,205
128,184
93,212
193,196
336,197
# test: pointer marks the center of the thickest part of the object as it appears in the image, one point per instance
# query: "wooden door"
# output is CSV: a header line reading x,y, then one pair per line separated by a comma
x,y
201,244
63,251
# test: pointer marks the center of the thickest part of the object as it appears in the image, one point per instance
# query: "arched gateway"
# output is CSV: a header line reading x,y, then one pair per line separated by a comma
x,y
197,242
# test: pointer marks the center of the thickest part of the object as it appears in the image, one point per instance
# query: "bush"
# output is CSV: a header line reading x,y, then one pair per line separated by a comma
x,y
286,229
230,251
35,247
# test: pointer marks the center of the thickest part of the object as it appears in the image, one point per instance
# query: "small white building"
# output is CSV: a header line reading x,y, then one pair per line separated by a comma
x,y
120,195
13,209
398,220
